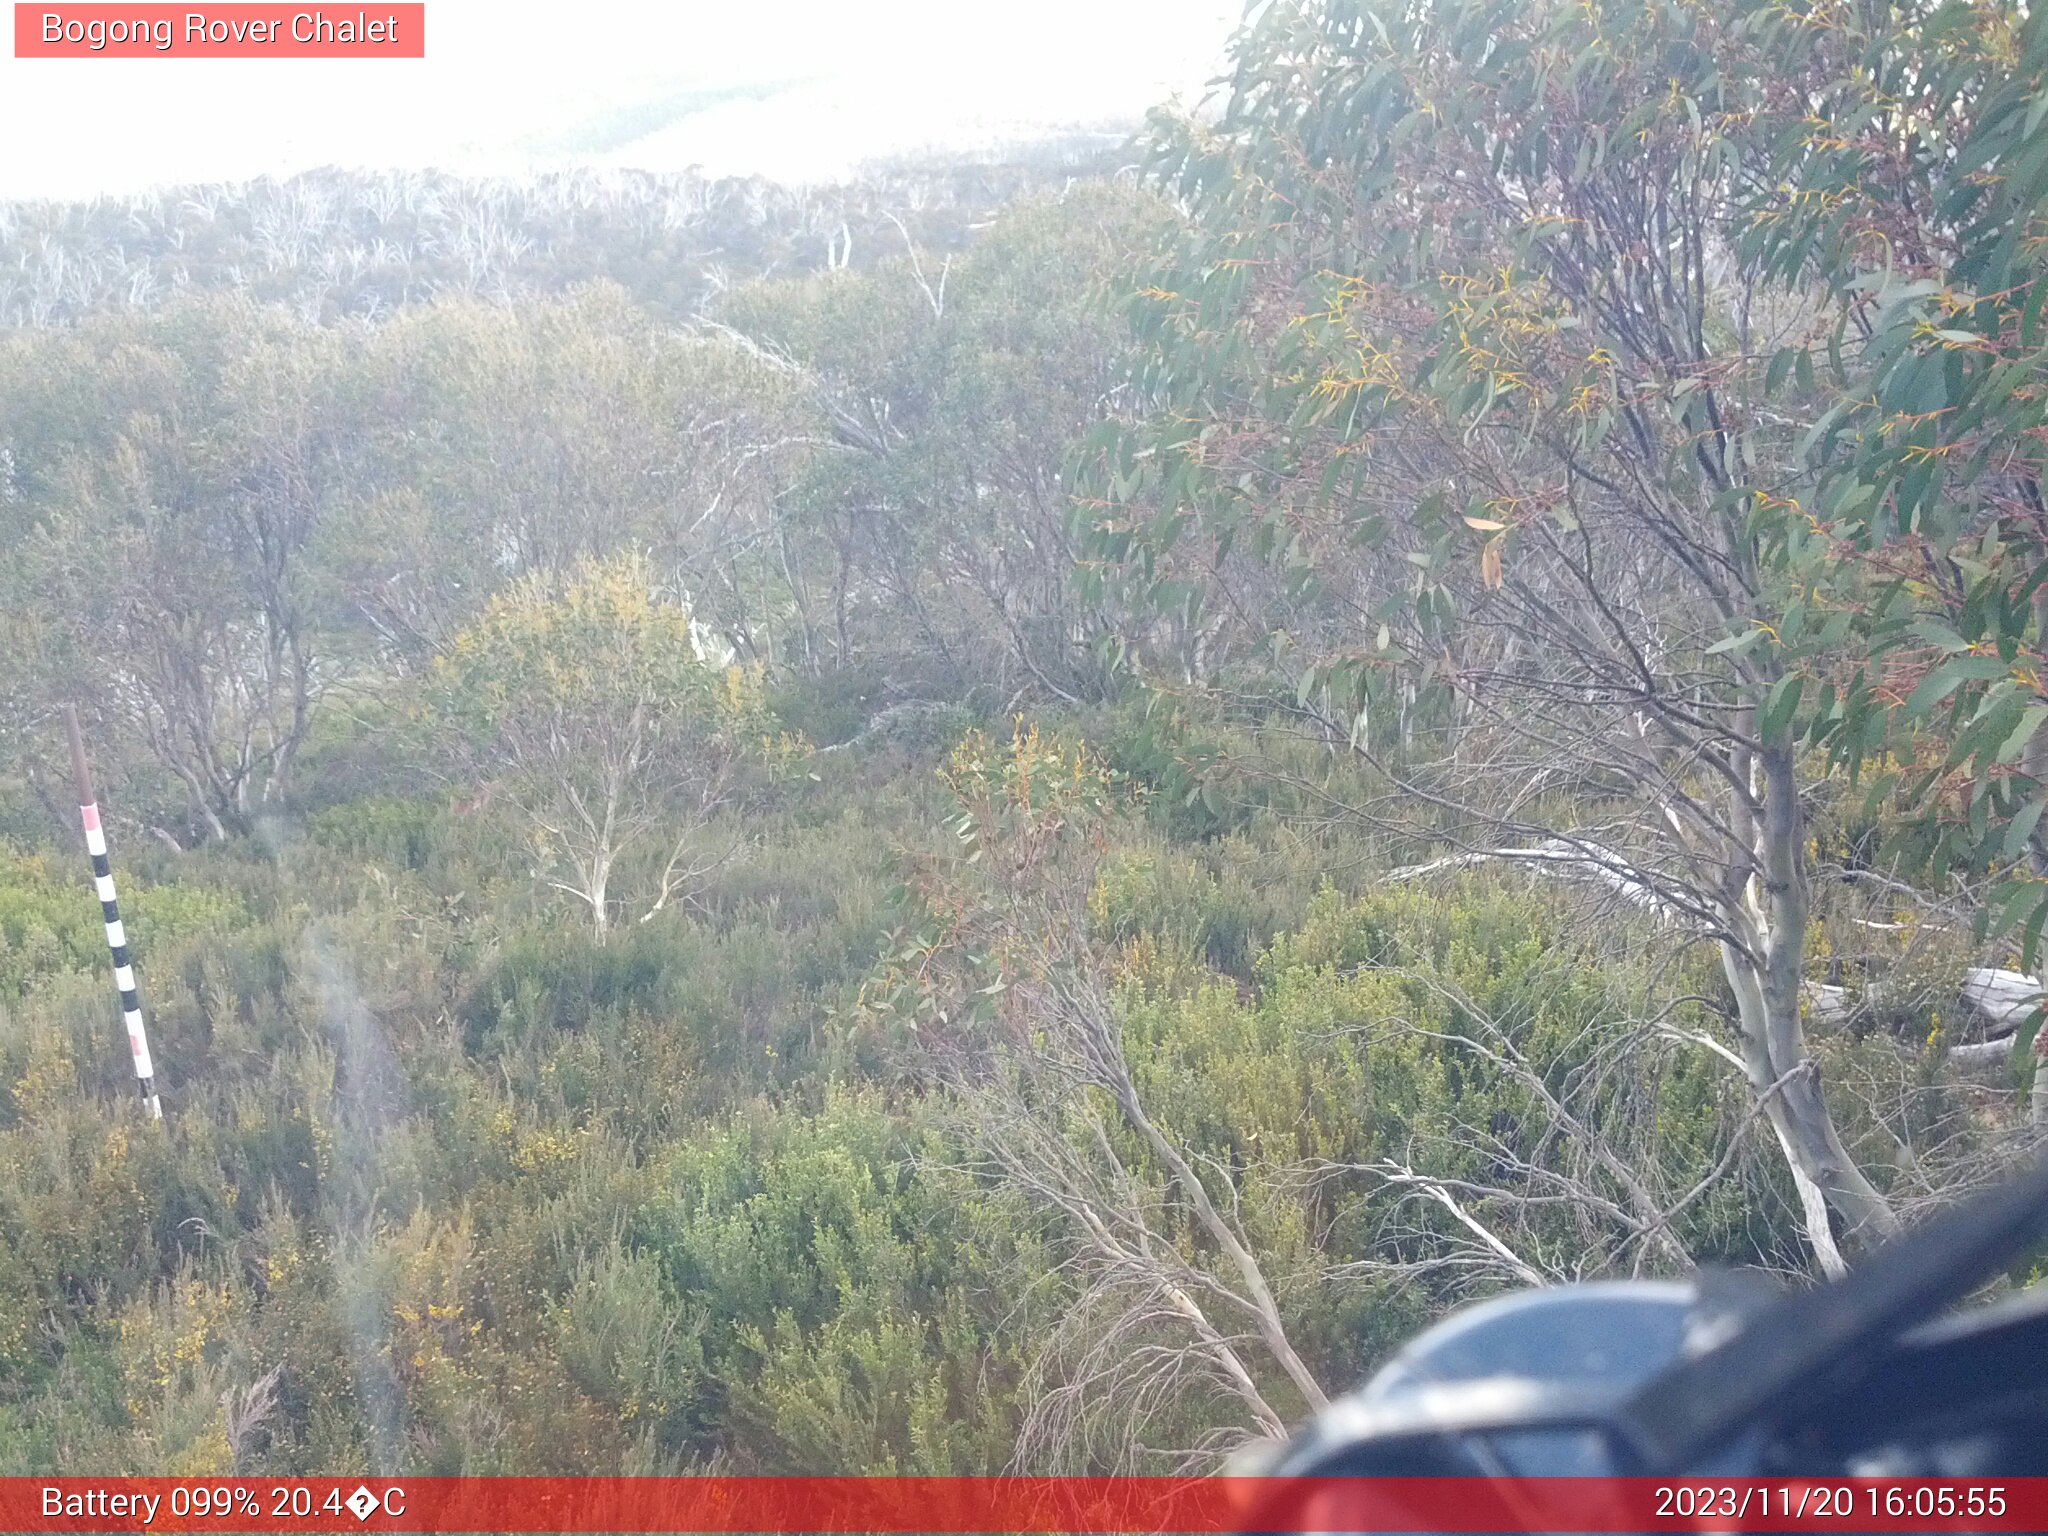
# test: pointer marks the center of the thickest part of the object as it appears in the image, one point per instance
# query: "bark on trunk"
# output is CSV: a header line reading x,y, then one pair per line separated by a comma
x,y
1766,973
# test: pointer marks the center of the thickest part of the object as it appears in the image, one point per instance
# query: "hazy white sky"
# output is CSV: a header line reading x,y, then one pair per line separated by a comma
x,y
799,90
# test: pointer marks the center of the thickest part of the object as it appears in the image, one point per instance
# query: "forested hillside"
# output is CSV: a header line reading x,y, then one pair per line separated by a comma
x,y
1016,819
349,244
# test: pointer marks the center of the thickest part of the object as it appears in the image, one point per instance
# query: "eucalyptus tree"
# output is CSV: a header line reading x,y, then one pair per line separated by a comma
x,y
1921,207
172,474
948,390
591,707
502,441
1487,401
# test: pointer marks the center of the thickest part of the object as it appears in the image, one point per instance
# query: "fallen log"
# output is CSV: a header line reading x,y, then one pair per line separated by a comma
x,y
1559,858
2002,999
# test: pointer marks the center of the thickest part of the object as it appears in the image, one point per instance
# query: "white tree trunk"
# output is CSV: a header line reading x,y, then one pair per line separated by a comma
x,y
1765,970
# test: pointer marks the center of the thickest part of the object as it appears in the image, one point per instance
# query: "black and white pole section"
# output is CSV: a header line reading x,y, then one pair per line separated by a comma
x,y
117,936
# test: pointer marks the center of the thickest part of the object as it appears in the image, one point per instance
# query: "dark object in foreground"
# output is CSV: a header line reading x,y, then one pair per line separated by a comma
x,y
1863,1377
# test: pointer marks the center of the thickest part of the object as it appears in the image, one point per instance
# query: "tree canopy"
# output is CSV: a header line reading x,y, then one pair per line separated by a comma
x,y
1011,819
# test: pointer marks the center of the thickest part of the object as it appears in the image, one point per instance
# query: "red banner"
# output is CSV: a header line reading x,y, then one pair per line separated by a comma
x,y
226,31
991,1504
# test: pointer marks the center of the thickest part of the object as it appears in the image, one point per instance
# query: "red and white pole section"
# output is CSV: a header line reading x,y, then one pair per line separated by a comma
x,y
110,909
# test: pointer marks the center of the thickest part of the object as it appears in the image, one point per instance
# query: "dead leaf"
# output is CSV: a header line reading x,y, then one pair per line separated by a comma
x,y
1489,565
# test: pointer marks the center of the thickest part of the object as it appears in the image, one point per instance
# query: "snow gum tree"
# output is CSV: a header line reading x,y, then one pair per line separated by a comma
x,y
1495,409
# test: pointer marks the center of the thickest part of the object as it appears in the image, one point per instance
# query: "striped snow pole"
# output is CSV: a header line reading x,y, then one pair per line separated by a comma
x,y
117,936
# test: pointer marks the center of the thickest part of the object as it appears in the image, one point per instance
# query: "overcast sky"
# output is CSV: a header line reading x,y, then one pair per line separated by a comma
x,y
799,90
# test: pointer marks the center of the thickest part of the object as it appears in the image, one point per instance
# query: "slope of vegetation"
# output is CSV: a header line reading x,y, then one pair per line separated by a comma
x,y
1025,848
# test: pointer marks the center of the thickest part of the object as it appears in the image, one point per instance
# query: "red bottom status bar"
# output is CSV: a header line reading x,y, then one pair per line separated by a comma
x,y
1058,1505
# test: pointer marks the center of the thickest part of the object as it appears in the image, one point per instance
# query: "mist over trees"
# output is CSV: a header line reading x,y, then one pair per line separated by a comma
x,y
1013,817
331,244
